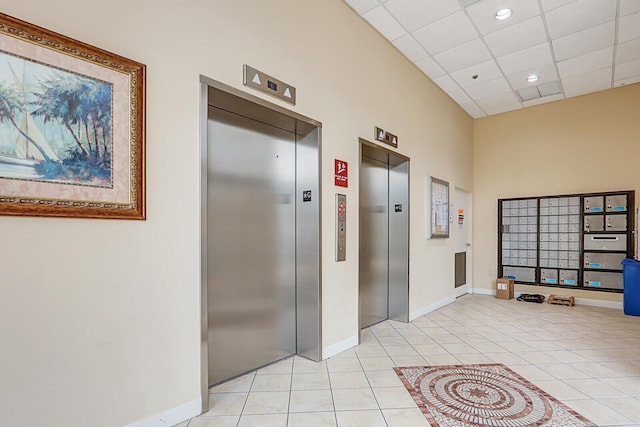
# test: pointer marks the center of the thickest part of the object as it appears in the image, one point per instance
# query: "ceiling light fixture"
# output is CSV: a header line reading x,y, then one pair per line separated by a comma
x,y
533,78
503,14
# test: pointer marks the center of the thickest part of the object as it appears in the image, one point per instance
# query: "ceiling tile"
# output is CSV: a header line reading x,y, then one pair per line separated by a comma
x,y
447,84
526,59
473,110
414,14
585,41
467,3
586,63
499,101
579,15
430,68
504,109
460,97
463,56
586,83
410,47
441,37
529,93
548,5
363,6
483,13
386,24
627,81
546,73
629,28
628,69
628,7
543,100
552,88
628,51
516,37
448,32
488,89
484,71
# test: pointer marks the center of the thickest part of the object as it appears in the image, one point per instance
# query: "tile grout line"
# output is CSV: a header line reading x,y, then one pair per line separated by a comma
x,y
371,388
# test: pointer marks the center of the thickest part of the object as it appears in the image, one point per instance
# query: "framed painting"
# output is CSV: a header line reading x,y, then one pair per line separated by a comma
x,y
439,212
72,127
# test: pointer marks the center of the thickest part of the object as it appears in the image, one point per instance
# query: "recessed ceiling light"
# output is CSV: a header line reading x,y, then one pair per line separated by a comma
x,y
533,78
503,14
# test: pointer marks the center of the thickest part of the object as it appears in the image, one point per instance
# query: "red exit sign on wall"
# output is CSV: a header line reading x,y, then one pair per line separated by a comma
x,y
341,173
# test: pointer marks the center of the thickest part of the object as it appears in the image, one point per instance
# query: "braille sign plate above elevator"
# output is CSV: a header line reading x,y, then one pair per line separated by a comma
x,y
267,84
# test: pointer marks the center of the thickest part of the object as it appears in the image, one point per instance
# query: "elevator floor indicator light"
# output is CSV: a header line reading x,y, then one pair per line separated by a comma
x,y
265,83
386,137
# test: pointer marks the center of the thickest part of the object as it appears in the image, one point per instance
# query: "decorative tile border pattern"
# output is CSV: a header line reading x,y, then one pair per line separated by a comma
x,y
489,395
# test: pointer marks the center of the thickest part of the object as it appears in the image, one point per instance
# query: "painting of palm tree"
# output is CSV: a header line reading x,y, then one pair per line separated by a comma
x,y
55,126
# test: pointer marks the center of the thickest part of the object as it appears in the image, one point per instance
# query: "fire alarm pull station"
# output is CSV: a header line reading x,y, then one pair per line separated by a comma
x,y
341,227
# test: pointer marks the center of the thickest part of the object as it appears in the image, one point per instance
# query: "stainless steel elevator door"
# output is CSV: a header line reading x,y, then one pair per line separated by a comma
x,y
251,244
398,239
374,241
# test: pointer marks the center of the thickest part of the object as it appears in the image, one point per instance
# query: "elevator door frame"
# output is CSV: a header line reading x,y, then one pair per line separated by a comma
x,y
308,224
398,297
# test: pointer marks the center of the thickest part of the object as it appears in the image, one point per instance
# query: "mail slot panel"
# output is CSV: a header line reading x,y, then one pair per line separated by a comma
x,y
569,277
521,274
617,222
548,276
617,203
605,242
603,261
602,279
594,223
594,204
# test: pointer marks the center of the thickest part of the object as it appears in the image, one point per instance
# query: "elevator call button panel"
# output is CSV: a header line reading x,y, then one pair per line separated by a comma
x,y
341,227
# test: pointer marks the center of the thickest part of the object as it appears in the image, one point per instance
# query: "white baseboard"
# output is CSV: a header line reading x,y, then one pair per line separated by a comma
x,y
579,301
433,307
599,303
585,301
339,347
482,291
172,416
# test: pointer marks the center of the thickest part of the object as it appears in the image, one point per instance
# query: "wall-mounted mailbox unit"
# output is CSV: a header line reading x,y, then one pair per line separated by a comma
x,y
603,279
606,261
569,277
593,204
573,241
605,242
549,276
617,222
521,274
594,223
617,203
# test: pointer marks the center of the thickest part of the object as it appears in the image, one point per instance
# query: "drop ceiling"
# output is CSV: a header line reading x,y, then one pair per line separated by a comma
x,y
575,47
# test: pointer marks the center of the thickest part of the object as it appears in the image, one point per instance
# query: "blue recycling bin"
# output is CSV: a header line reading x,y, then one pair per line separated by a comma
x,y
631,277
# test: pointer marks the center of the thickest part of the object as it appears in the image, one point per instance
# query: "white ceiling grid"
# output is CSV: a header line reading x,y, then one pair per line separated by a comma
x,y
574,46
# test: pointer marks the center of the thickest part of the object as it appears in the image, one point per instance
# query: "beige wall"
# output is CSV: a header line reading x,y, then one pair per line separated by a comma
x,y
579,145
99,320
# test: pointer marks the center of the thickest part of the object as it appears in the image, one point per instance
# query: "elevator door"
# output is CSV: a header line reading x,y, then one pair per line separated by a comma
x,y
251,244
374,241
384,236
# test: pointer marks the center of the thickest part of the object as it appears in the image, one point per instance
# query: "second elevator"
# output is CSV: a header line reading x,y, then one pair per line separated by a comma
x,y
384,235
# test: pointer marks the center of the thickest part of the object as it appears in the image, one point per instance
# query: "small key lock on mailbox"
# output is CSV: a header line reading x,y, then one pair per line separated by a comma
x,y
341,227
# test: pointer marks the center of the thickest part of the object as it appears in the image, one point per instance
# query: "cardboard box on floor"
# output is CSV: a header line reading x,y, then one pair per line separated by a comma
x,y
504,288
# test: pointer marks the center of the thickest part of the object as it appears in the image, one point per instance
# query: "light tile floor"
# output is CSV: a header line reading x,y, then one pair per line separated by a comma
x,y
586,357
